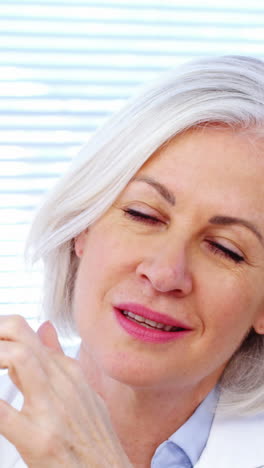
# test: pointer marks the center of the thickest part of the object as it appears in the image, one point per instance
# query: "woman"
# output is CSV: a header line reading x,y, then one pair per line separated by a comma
x,y
153,253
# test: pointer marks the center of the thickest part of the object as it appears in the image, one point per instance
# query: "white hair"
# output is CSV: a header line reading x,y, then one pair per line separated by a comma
x,y
225,90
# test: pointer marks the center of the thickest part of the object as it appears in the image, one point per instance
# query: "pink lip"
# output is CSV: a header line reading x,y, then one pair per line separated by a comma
x,y
147,334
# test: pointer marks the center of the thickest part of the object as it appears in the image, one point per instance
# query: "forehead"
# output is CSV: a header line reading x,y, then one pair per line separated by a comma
x,y
212,144
208,150
217,164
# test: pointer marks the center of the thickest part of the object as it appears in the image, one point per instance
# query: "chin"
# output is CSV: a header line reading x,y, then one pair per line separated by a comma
x,y
132,372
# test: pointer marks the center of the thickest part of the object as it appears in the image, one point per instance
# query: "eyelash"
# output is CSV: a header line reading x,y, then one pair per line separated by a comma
x,y
224,252
214,246
142,217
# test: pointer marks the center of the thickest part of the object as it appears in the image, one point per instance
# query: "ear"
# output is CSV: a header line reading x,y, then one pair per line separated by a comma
x,y
79,243
258,324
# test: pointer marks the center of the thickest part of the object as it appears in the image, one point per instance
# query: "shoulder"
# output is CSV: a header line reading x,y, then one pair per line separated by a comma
x,y
234,441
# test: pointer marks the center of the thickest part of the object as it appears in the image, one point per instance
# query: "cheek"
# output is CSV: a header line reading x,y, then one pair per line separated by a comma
x,y
109,255
225,323
228,309
99,256
102,266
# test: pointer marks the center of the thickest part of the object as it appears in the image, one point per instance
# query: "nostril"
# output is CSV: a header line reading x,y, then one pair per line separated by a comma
x,y
165,279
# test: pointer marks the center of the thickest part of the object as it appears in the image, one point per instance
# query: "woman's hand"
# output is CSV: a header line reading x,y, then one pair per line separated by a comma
x,y
63,422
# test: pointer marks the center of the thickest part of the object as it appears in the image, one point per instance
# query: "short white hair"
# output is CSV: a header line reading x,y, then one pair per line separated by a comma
x,y
225,90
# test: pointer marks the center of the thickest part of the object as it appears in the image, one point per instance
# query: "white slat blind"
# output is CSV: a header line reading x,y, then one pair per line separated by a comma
x,y
65,66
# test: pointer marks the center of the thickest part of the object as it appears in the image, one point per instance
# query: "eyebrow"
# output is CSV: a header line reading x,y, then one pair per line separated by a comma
x,y
229,221
219,220
161,189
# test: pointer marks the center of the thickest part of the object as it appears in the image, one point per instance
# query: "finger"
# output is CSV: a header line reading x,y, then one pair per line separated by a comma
x,y
40,442
24,368
30,353
88,407
49,337
13,424
15,328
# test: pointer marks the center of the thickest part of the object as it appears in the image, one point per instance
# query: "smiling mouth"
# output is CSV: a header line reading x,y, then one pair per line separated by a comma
x,y
147,323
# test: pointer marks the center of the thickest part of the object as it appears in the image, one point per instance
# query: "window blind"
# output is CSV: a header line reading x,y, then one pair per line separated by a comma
x,y
65,66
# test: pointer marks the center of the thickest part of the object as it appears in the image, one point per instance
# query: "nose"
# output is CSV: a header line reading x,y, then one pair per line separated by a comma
x,y
167,271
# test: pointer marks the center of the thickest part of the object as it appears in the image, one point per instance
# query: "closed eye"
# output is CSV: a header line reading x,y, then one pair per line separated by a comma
x,y
141,217
215,247
223,251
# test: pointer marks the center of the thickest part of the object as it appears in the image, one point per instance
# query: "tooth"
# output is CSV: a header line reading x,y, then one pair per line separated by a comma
x,y
160,325
147,322
139,318
150,322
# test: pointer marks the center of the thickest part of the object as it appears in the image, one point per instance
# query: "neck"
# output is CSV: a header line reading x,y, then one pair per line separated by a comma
x,y
143,417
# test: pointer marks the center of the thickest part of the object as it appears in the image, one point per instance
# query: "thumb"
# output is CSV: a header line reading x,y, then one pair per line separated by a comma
x,y
48,336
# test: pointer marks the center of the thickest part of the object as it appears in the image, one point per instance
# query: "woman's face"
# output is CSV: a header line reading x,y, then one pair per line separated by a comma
x,y
182,246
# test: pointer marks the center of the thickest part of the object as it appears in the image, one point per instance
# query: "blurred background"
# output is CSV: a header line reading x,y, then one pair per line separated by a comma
x,y
65,67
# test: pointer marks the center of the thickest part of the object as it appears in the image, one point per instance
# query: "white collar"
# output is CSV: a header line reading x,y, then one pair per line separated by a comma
x,y
236,442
